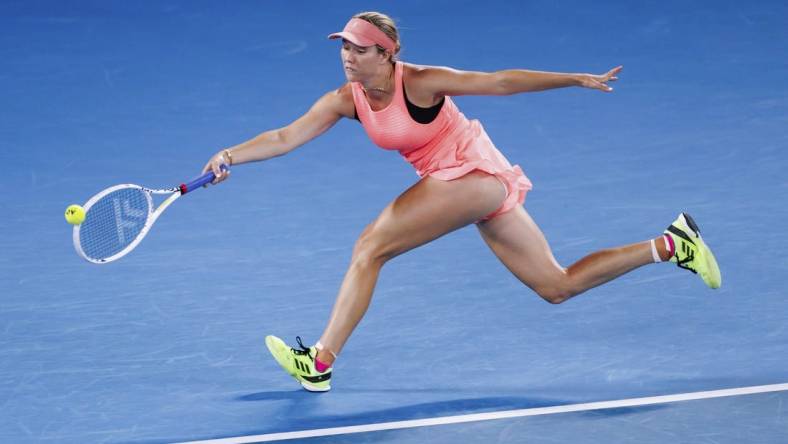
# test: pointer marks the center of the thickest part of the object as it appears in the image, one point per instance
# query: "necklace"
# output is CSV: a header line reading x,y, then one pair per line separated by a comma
x,y
382,90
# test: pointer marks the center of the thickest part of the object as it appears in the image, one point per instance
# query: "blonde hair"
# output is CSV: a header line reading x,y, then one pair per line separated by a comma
x,y
385,24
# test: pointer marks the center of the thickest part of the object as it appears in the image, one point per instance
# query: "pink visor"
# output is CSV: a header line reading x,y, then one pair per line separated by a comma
x,y
363,33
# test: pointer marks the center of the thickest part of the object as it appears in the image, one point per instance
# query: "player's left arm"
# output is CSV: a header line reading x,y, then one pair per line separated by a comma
x,y
443,81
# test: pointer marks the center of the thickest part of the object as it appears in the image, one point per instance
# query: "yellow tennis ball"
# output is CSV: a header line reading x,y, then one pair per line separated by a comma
x,y
75,214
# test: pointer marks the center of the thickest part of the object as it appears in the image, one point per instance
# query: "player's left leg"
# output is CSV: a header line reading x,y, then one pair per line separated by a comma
x,y
519,243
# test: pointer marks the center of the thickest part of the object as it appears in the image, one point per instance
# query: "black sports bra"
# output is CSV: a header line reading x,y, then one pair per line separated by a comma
x,y
417,113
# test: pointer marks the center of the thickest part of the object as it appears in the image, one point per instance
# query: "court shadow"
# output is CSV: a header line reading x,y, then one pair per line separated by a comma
x,y
464,406
299,393
292,395
304,401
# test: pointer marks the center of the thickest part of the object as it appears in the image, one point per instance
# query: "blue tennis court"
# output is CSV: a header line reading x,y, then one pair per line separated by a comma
x,y
167,344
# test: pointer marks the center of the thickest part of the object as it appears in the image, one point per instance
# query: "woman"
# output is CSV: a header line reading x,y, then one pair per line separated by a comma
x,y
464,180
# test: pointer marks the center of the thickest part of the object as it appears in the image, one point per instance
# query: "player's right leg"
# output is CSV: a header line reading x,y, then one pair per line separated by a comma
x,y
426,211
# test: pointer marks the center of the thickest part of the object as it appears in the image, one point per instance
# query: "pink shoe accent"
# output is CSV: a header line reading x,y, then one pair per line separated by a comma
x,y
320,366
669,245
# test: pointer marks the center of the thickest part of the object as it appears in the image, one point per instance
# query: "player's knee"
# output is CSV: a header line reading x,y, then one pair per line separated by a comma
x,y
369,249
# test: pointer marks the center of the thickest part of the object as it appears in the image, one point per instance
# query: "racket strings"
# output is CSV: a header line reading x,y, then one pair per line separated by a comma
x,y
114,222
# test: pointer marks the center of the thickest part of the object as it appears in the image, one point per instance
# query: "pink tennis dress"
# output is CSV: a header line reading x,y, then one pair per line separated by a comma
x,y
447,148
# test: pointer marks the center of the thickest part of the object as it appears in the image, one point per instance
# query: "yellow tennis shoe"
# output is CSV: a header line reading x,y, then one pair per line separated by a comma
x,y
300,364
691,253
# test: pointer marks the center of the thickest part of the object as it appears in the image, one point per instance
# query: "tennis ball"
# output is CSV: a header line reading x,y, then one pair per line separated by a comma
x,y
75,214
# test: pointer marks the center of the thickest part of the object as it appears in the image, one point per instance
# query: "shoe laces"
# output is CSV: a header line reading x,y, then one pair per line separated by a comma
x,y
304,349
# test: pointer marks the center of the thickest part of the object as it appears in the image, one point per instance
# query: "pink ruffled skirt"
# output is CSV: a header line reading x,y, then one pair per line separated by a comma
x,y
469,149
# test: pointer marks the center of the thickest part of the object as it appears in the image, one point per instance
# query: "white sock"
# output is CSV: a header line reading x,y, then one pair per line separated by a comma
x,y
654,253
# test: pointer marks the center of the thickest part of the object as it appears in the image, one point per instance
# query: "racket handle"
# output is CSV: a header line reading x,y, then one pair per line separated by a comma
x,y
200,181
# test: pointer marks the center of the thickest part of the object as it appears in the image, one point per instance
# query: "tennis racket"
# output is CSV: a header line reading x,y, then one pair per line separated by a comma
x,y
117,218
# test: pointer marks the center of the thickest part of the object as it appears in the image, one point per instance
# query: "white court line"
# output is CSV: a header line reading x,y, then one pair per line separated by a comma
x,y
497,415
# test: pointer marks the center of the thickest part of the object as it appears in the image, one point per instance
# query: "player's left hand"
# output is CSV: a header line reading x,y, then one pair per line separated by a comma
x,y
600,81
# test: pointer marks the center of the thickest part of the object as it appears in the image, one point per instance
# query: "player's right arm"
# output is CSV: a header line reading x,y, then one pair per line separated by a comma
x,y
322,116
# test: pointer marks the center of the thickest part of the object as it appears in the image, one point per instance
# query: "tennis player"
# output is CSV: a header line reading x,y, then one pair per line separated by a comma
x,y
464,180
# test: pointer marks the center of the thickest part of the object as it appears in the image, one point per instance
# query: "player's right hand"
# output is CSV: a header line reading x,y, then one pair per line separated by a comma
x,y
215,163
